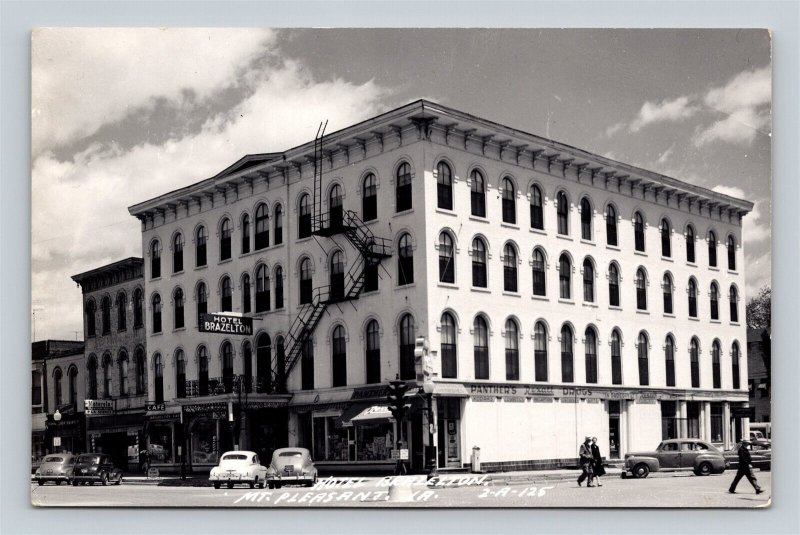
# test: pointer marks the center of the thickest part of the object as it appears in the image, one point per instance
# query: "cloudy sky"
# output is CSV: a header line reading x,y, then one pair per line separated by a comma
x,y
121,115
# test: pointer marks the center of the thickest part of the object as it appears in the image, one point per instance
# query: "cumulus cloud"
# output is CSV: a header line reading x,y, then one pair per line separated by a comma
x,y
756,226
282,109
614,128
664,111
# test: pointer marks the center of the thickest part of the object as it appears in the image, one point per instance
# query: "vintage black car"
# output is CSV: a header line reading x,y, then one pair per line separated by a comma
x,y
94,468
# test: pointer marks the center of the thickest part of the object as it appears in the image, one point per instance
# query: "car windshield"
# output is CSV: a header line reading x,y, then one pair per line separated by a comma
x,y
53,460
89,459
235,457
290,454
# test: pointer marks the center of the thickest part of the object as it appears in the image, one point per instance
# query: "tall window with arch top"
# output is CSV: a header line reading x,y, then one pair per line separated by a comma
x,y
226,290
731,253
447,272
444,186
537,208
616,358
733,298
562,213
304,217
712,249
512,350
666,239
200,248
611,226
339,356
477,194
448,348
586,219
405,260
403,188
155,259
509,207
177,253
509,268
669,358
480,347
225,232
644,364
262,227
690,244
408,335
478,263
567,358
369,198
638,231
716,371
694,362
373,352
590,346
540,351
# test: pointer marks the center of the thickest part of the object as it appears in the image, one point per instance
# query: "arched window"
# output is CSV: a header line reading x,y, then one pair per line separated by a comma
x,y
444,186
178,309
616,358
122,311
694,358
564,277
403,188
202,370
156,303
448,349
373,352
278,224
669,358
540,351
72,377
715,364
613,285
105,309
611,226
107,376
155,259
337,275
369,198
690,244
567,372
588,281
641,290
278,287
667,290
158,369
91,327
262,227
177,253
180,374
539,278
733,298
202,301
225,239
307,364
91,377
477,193
644,365
509,201
562,211
479,263
262,288
638,231
138,308
304,217
735,365
245,234
509,268
731,253
590,347
714,300
339,357
246,303
335,200
407,340
305,282
712,249
200,246
512,351
247,357
57,376
586,219
692,298
537,208
264,363
480,344
141,375
447,272
405,261
227,366
666,239
226,290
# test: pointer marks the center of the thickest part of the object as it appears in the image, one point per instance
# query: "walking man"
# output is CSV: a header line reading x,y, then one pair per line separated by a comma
x,y
745,469
586,459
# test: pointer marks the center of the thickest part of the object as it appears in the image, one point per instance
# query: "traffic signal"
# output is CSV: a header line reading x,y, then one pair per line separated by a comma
x,y
396,398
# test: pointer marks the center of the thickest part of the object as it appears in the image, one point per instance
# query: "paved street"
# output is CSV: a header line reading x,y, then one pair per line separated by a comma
x,y
660,490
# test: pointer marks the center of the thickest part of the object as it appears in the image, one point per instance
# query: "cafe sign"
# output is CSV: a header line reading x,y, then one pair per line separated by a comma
x,y
223,323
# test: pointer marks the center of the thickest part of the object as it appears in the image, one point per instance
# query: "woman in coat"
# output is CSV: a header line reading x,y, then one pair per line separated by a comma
x,y
597,464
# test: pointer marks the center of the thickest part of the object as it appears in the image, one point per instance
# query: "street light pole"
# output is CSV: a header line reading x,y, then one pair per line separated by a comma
x,y
57,438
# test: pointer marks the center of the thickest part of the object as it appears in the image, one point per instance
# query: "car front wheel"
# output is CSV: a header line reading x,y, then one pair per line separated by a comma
x,y
704,469
58,481
216,486
641,470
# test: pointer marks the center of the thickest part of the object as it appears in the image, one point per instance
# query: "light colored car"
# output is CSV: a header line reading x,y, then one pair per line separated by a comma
x,y
676,454
56,468
239,467
291,466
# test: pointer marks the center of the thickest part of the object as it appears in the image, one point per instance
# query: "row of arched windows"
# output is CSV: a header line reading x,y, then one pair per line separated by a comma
x,y
121,303
124,369
72,385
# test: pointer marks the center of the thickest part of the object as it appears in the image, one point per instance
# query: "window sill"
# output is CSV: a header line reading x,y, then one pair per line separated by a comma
x,y
155,279
612,307
301,240
644,312
540,297
179,329
226,261
588,242
404,212
589,304
479,219
481,290
713,268
449,285
736,324
733,272
667,315
156,334
512,294
613,247
564,237
367,294
405,287
177,273
538,231
666,258
566,301
715,321
509,225
204,266
445,211
692,318
123,330
691,264
640,253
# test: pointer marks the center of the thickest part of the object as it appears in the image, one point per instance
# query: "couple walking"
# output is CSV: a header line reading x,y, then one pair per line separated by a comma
x,y
591,462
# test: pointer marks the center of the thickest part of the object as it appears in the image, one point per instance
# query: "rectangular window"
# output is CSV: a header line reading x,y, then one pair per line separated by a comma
x,y
538,278
537,217
478,274
403,199
449,361
407,370
644,372
481,362
693,307
512,365
201,254
371,277
736,382
591,368
478,203
444,196
540,364
667,302
447,272
304,230
509,279
670,372
616,369
567,374
370,207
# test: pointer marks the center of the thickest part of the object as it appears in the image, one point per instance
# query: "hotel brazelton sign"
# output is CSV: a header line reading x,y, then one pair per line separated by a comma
x,y
226,324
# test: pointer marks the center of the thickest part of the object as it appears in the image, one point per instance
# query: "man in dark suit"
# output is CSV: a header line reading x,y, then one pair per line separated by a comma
x,y
745,469
586,459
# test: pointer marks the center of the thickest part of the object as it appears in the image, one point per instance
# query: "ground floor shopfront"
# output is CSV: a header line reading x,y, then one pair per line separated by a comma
x,y
120,435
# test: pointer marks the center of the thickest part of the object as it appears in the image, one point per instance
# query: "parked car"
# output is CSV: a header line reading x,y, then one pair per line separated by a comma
x,y
239,467
760,454
94,468
291,466
56,468
676,454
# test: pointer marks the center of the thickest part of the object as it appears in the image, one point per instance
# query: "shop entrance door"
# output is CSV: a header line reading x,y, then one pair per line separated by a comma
x,y
116,445
613,429
448,432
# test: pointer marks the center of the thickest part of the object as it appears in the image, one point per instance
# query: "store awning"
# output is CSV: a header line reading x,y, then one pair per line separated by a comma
x,y
450,389
361,414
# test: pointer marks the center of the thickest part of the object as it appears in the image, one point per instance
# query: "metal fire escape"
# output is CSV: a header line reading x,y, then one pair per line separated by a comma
x,y
372,250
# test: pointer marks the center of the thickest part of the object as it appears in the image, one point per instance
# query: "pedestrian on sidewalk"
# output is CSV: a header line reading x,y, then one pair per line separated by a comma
x,y
745,469
586,460
597,462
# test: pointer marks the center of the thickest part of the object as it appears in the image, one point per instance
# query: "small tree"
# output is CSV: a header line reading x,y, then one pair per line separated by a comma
x,y
758,310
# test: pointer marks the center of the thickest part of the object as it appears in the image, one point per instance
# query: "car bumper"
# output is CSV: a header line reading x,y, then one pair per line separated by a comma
x,y
224,478
86,477
52,477
283,478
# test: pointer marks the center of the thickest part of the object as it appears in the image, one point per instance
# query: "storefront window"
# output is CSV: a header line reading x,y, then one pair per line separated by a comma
x,y
204,442
159,444
716,422
374,442
330,443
